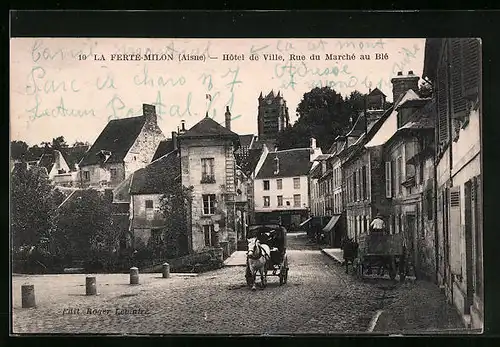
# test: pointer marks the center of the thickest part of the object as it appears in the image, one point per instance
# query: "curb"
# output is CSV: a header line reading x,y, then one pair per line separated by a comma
x,y
332,257
374,320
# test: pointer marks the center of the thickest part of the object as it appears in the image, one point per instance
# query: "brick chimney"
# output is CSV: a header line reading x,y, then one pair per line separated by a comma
x,y
228,118
402,83
149,111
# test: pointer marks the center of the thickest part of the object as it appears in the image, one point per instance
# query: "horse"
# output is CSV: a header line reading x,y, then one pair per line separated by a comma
x,y
258,256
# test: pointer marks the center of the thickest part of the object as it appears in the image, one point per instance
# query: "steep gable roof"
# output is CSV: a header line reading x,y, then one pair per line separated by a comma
x,y
164,147
376,91
292,163
73,155
159,174
117,137
207,127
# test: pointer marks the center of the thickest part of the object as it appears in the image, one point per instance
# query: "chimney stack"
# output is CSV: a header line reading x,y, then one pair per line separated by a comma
x,y
313,143
174,140
401,84
183,127
149,111
228,118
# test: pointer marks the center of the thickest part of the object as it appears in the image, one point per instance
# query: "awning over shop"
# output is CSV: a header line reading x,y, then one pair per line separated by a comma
x,y
331,223
305,222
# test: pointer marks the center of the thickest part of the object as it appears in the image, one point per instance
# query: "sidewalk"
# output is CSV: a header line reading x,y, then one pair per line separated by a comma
x,y
419,307
238,258
334,253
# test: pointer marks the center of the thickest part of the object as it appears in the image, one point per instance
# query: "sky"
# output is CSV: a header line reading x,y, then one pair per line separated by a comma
x,y
73,87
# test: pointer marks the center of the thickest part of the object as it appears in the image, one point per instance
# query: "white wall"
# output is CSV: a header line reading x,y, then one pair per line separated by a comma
x,y
287,192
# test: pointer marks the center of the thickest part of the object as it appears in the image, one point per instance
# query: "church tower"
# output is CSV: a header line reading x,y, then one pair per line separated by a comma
x,y
273,115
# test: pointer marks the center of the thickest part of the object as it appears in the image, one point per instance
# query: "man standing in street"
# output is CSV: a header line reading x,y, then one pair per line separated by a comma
x,y
377,225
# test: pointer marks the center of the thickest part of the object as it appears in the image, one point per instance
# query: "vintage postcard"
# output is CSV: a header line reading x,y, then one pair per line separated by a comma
x,y
246,186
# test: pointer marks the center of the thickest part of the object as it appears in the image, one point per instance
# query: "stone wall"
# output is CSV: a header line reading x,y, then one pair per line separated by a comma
x,y
142,151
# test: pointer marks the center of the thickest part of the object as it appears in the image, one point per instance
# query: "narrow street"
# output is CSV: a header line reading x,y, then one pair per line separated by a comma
x,y
318,298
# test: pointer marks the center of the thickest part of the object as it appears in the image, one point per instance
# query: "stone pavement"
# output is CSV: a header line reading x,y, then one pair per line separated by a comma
x,y
318,298
238,258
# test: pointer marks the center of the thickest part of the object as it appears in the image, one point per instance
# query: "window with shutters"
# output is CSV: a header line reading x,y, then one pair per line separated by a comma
x,y
365,183
455,231
400,178
442,99
478,237
388,179
471,74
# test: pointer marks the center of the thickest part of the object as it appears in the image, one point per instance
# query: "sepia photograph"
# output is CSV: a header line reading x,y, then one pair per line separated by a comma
x,y
246,186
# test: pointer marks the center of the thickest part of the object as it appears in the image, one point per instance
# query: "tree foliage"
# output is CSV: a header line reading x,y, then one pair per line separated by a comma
x,y
33,202
59,143
175,205
85,227
323,114
18,150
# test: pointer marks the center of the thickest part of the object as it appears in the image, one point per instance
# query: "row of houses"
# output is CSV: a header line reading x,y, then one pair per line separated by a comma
x,y
417,164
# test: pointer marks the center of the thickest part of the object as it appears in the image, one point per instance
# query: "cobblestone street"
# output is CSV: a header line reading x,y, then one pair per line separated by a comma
x,y
318,298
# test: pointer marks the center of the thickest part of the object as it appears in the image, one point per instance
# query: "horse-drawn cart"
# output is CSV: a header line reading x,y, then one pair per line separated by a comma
x,y
381,252
274,236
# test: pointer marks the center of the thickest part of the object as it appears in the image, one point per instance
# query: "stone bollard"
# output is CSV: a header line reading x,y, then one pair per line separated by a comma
x,y
28,295
166,270
90,286
134,275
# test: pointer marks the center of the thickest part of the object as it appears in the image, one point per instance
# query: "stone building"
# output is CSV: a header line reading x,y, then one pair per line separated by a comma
x,y
335,229
409,179
453,66
208,164
124,146
376,100
361,173
272,115
281,185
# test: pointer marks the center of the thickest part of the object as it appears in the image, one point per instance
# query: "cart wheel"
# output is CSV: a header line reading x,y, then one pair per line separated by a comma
x,y
248,277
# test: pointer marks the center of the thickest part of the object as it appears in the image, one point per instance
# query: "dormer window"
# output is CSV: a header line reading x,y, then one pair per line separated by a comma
x,y
276,165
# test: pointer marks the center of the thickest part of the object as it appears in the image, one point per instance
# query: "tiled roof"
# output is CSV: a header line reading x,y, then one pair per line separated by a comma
x,y
259,142
376,91
250,162
389,125
47,161
292,163
165,146
315,172
117,137
207,127
245,140
159,174
413,103
358,127
73,155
